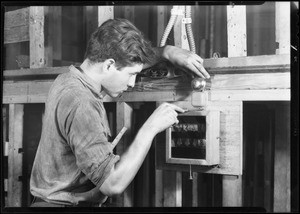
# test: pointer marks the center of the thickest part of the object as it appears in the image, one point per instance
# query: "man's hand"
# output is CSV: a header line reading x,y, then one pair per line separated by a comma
x,y
163,117
186,60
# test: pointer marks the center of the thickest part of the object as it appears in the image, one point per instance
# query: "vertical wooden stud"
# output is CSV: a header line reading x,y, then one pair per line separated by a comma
x,y
159,188
282,27
124,118
56,30
282,173
105,13
236,28
172,182
161,19
237,46
16,112
40,52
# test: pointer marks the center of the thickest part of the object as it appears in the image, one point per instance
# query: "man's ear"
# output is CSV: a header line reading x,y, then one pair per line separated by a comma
x,y
108,64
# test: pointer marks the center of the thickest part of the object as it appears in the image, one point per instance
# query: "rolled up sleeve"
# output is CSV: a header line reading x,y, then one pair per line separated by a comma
x,y
87,138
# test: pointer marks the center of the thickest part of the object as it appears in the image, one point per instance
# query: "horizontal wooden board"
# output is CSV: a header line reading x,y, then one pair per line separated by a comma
x,y
16,26
37,91
250,64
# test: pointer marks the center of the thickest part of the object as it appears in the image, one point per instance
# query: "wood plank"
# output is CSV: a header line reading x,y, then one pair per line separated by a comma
x,y
172,188
232,194
129,13
14,193
195,190
16,26
250,95
39,56
105,13
37,91
282,27
237,46
90,12
161,23
56,27
249,64
282,158
124,119
236,28
159,196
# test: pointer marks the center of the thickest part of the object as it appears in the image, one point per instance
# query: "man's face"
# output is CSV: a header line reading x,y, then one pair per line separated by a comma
x,y
118,81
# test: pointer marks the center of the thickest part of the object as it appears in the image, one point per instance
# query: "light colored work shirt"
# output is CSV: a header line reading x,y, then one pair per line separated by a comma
x,y
74,154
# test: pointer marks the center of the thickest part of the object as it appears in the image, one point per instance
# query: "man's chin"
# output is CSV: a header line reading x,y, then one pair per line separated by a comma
x,y
115,95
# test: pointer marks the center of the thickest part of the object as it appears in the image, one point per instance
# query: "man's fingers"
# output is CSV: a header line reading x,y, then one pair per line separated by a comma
x,y
199,59
177,108
194,69
202,70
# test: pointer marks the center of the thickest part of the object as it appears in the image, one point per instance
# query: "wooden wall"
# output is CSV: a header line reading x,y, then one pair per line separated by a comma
x,y
260,120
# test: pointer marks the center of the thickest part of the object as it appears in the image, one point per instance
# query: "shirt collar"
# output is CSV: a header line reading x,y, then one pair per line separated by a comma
x,y
87,81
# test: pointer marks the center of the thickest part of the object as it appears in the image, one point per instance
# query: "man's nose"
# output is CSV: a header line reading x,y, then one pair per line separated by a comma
x,y
131,82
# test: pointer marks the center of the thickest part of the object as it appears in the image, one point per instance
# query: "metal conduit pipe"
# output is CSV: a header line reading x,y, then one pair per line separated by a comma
x,y
169,26
188,14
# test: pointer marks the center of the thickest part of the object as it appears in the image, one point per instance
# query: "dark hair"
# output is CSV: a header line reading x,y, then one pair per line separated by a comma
x,y
121,40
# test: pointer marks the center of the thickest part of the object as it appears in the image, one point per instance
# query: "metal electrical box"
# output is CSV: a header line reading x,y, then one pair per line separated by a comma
x,y
195,139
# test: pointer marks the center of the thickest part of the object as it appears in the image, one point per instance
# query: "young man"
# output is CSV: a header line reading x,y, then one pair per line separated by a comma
x,y
74,163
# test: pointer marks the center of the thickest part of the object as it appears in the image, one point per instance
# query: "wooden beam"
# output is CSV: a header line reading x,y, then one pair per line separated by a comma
x,y
233,191
40,53
16,26
236,28
55,26
90,12
282,159
282,27
161,20
16,112
237,46
172,188
105,13
249,64
250,95
124,119
159,196
129,13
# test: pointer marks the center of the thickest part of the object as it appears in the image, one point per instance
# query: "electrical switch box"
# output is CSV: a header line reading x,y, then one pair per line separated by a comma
x,y
195,139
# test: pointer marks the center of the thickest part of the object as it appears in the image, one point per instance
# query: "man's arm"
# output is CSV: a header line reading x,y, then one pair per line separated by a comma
x,y
125,170
181,58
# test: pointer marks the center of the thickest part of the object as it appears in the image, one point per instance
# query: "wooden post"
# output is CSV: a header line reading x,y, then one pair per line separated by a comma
x,y
161,19
236,28
14,192
282,27
105,13
172,181
237,46
159,196
56,31
124,118
40,53
129,13
90,13
282,173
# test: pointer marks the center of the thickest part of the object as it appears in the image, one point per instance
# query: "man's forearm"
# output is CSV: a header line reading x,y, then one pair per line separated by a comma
x,y
161,55
129,163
